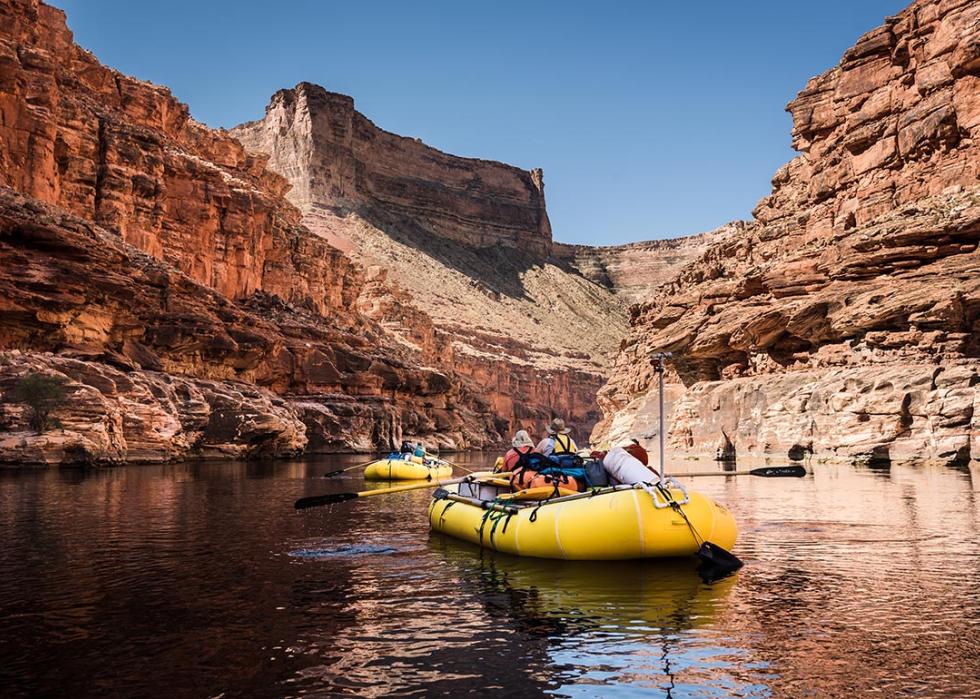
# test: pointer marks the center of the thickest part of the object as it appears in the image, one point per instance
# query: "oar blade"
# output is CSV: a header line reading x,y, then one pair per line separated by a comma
x,y
330,474
779,472
716,562
321,500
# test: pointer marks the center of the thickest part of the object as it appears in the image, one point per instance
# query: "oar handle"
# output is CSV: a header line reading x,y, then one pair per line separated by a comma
x,y
442,494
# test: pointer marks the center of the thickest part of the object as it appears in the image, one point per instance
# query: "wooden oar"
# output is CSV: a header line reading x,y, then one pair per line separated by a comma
x,y
765,472
349,468
331,498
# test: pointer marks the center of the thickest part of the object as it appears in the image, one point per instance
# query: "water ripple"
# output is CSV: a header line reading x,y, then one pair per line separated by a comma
x,y
200,579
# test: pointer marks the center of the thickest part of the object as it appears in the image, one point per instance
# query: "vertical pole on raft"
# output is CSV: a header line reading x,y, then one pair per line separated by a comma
x,y
663,465
658,365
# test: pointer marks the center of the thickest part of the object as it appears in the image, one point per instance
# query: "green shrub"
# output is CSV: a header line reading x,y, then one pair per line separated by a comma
x,y
42,394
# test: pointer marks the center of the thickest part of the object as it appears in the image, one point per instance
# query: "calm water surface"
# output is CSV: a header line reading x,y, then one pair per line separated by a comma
x,y
200,580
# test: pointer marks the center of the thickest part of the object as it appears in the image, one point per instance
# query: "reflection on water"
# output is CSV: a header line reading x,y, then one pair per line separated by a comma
x,y
199,579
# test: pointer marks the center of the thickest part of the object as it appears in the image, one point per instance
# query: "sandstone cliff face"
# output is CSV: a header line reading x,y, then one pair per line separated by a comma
x,y
459,253
844,321
125,154
145,257
336,158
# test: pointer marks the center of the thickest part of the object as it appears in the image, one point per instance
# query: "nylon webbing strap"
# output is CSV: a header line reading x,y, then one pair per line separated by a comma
x,y
677,508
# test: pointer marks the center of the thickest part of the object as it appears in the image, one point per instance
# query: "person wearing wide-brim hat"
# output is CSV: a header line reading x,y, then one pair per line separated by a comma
x,y
520,445
557,442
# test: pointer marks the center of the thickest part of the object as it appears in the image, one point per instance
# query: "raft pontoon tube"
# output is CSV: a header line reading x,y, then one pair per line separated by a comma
x,y
623,522
399,467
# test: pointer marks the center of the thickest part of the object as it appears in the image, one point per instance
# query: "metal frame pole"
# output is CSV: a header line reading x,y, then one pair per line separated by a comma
x,y
658,360
663,422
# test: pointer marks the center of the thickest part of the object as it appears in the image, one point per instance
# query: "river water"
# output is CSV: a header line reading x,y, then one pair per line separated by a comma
x,y
200,580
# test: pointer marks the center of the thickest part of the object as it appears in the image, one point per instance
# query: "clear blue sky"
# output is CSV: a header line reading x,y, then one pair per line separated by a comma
x,y
650,119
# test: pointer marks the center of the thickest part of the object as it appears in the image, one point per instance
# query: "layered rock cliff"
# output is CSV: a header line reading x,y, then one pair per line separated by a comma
x,y
336,159
459,252
844,320
154,266
634,270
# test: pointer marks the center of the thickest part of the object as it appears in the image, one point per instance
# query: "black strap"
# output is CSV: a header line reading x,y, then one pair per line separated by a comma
x,y
675,506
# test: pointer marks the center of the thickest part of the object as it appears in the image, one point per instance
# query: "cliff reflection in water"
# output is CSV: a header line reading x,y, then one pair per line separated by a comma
x,y
200,579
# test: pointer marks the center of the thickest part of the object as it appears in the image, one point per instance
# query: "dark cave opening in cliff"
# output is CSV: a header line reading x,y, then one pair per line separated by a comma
x,y
789,349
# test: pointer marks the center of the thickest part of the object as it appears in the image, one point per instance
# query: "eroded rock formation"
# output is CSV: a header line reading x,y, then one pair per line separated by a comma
x,y
124,324
844,321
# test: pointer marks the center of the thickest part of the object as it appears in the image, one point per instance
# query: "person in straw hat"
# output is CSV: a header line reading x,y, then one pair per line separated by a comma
x,y
520,445
558,441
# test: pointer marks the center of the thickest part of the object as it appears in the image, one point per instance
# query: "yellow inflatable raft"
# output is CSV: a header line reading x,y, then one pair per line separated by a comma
x,y
412,469
616,524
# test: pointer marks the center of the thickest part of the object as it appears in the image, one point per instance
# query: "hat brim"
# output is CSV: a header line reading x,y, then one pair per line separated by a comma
x,y
564,431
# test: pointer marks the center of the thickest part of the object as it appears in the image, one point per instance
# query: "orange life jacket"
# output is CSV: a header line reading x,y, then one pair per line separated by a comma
x,y
525,479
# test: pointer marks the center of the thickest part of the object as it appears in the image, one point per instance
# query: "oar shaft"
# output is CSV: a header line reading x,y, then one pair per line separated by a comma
x,y
455,465
764,472
586,494
331,498
338,471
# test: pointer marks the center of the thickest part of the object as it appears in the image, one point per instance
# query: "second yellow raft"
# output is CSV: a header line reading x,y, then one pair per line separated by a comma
x,y
620,524
412,469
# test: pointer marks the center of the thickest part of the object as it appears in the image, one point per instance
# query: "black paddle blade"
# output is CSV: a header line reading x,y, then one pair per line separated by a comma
x,y
333,473
779,471
716,562
320,500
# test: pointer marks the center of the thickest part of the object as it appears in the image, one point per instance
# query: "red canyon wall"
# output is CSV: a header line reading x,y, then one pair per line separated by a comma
x,y
844,321
127,155
155,266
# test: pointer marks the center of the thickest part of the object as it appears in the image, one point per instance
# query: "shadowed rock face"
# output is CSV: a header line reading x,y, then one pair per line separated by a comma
x,y
633,270
844,320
